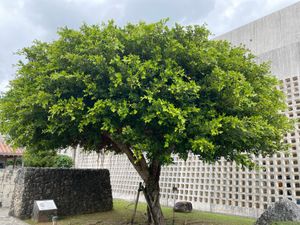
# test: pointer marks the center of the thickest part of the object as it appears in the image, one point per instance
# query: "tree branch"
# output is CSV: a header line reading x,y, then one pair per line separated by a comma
x,y
139,164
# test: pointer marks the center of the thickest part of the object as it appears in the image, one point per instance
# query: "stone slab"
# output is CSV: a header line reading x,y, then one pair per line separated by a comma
x,y
44,210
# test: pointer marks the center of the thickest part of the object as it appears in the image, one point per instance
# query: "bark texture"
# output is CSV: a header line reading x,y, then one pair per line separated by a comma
x,y
152,195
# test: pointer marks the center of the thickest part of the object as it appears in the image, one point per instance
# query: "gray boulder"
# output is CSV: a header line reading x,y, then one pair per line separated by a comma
x,y
283,210
183,207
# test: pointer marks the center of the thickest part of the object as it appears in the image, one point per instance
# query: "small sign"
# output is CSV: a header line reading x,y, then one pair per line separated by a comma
x,y
44,210
46,205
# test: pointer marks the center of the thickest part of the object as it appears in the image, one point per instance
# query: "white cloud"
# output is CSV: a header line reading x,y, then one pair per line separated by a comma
x,y
22,21
231,14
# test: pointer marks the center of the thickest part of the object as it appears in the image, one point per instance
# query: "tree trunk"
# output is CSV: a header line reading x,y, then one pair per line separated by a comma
x,y
152,196
150,174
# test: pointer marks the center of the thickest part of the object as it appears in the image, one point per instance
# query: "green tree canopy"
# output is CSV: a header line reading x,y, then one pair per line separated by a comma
x,y
148,91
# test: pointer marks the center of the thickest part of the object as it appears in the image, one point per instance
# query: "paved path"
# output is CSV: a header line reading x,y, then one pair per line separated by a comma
x,y
7,220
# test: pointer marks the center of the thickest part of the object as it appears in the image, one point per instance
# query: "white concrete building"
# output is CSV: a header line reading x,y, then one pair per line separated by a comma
x,y
223,187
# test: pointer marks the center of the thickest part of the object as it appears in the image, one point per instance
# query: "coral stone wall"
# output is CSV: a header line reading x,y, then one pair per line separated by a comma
x,y
7,184
74,191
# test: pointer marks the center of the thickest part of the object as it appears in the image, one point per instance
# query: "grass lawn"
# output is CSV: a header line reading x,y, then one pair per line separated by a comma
x,y
286,223
122,212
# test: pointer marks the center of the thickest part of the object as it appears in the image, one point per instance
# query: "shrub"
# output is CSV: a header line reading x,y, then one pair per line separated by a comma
x,y
63,161
41,158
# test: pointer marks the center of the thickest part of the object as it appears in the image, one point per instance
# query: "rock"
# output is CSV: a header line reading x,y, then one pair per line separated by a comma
x,y
183,207
283,210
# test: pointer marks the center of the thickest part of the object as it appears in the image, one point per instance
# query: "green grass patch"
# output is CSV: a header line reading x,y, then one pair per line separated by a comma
x,y
122,212
286,223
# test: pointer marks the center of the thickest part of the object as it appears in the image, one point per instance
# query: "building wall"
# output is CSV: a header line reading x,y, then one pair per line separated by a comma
x,y
273,31
285,60
223,187
273,38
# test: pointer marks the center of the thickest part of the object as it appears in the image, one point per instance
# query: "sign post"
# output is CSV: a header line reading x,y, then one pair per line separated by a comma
x,y
136,202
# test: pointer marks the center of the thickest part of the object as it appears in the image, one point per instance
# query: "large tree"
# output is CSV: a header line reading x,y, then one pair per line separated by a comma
x,y
148,91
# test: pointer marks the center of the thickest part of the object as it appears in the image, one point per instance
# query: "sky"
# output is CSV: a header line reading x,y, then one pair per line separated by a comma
x,y
22,21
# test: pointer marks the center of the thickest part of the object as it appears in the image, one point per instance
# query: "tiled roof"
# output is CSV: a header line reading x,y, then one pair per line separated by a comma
x,y
9,151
